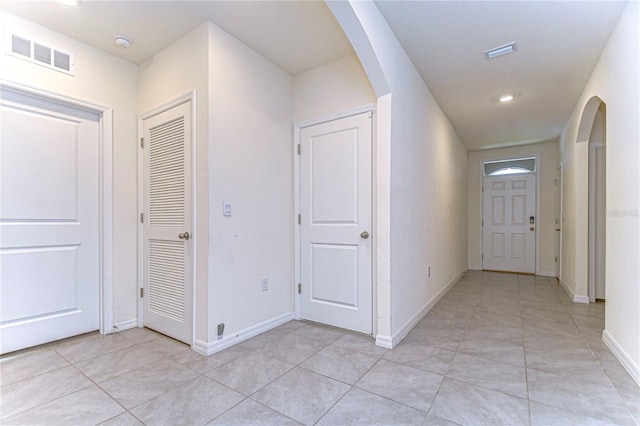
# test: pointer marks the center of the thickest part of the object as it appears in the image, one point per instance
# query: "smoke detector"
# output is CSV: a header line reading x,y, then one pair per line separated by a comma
x,y
123,41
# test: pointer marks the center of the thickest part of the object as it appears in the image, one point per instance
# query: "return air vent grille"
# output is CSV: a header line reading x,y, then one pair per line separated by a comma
x,y
39,53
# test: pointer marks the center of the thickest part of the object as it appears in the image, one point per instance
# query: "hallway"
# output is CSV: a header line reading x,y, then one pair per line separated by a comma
x,y
497,349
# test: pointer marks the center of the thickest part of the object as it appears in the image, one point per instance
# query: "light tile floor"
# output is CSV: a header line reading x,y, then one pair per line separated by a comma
x,y
497,349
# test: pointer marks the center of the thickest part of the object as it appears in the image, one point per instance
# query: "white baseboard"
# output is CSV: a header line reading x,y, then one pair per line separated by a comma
x,y
210,348
408,326
547,274
384,341
623,357
475,268
123,325
581,299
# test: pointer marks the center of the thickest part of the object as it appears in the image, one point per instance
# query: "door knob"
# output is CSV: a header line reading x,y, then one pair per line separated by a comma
x,y
364,235
184,236
531,229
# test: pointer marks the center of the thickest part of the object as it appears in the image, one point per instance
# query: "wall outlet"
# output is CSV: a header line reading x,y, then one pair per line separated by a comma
x,y
220,330
265,284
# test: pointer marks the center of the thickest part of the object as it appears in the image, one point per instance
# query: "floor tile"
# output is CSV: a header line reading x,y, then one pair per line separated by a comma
x,y
137,386
95,347
545,415
124,419
250,372
407,385
196,402
293,348
302,395
258,342
359,407
118,362
432,420
442,338
564,358
29,393
140,334
339,363
532,315
88,406
489,374
583,321
362,344
290,327
421,356
322,334
501,350
250,412
473,405
551,327
165,346
590,397
29,364
631,398
198,362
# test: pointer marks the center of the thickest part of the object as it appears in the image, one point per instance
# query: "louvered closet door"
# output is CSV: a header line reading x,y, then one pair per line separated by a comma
x,y
168,252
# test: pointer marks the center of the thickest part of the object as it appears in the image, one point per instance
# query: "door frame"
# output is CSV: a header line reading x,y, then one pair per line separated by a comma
x,y
593,243
296,205
188,97
105,198
537,156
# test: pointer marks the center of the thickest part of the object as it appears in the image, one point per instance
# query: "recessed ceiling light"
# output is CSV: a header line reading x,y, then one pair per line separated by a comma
x,y
505,49
506,98
70,2
122,41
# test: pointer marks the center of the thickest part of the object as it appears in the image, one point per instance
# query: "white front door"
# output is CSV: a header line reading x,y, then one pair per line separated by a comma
x,y
335,196
49,221
509,222
167,223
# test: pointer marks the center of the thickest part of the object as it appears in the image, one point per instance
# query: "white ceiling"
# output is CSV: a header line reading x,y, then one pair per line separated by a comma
x,y
559,43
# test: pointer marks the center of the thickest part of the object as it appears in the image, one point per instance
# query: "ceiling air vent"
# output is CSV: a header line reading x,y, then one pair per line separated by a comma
x,y
39,53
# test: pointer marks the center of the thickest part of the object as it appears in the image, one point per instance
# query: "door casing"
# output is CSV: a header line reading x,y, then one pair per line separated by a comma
x,y
105,220
296,205
480,203
189,97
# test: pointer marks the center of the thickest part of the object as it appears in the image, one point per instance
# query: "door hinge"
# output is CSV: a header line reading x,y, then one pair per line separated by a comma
x,y
299,288
141,142
141,291
482,256
556,260
299,219
370,114
483,223
299,149
483,188
141,217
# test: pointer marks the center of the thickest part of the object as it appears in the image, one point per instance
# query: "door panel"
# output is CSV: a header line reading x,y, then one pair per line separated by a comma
x,y
49,220
168,298
335,194
508,240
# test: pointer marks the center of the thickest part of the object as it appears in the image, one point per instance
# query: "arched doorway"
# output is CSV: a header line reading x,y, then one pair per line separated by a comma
x,y
592,131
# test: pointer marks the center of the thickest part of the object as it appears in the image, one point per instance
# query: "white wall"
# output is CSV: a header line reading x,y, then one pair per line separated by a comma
x,y
178,70
251,167
615,80
335,87
425,177
105,80
244,157
546,225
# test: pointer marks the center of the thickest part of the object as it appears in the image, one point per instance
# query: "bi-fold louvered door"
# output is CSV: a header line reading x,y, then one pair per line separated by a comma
x,y
168,290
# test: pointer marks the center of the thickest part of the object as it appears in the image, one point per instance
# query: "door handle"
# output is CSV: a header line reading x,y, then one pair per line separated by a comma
x,y
364,235
184,236
531,229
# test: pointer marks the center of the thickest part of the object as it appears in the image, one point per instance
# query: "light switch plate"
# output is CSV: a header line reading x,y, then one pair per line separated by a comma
x,y
226,209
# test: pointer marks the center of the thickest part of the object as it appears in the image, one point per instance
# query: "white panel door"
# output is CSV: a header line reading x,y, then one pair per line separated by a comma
x,y
335,195
49,221
509,209
167,224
